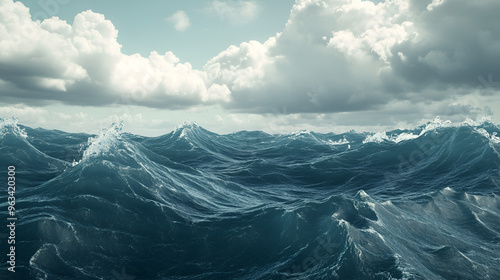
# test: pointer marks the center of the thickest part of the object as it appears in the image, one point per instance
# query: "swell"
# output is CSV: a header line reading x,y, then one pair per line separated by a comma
x,y
191,204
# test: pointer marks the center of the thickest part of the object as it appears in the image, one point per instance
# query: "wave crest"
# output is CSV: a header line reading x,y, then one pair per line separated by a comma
x,y
10,125
104,142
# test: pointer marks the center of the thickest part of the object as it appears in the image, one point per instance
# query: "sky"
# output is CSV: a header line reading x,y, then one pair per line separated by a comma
x,y
275,66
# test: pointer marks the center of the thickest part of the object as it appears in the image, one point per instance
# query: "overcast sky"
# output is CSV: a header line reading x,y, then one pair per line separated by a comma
x,y
277,66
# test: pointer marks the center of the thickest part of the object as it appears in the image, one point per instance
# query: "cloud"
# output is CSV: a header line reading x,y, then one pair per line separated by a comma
x,y
327,59
243,67
434,4
82,64
80,120
340,57
235,11
35,116
351,56
180,20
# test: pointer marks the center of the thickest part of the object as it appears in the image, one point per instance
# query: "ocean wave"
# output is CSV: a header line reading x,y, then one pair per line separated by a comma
x,y
192,204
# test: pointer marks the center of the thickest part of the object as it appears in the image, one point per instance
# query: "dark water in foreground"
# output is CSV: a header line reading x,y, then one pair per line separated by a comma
x,y
191,204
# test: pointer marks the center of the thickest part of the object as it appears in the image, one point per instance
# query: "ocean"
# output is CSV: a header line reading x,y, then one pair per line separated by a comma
x,y
420,203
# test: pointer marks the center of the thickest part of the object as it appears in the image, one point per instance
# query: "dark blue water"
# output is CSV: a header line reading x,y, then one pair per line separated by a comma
x,y
192,204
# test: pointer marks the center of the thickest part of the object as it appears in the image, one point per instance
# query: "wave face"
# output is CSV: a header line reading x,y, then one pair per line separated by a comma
x,y
404,204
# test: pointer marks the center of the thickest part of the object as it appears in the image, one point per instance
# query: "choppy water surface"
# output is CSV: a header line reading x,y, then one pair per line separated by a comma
x,y
192,204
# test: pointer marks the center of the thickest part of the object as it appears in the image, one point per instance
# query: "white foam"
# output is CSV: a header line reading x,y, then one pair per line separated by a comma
x,y
338,142
492,138
387,203
186,126
363,194
103,142
378,137
11,124
483,132
185,130
404,137
183,134
438,123
300,133
448,191
433,125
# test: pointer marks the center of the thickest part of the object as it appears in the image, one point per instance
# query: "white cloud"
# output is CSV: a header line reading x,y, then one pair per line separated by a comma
x,y
180,20
218,92
234,11
434,4
243,67
83,64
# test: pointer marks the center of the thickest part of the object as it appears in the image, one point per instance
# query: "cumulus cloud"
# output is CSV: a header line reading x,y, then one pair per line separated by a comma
x,y
83,64
353,55
180,20
235,11
243,67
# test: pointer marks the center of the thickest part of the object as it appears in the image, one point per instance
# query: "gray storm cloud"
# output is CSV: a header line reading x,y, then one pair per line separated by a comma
x,y
342,56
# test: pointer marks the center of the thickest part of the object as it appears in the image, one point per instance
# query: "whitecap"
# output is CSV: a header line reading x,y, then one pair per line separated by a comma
x,y
338,142
378,137
103,142
10,124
